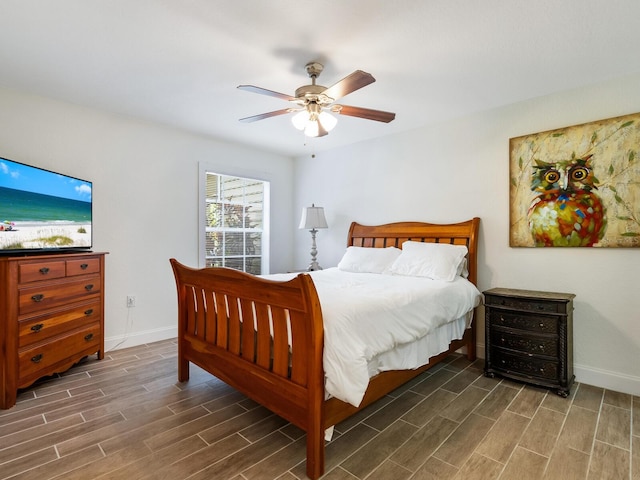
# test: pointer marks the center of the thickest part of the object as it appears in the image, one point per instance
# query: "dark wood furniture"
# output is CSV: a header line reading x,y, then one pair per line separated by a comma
x,y
52,309
529,337
265,338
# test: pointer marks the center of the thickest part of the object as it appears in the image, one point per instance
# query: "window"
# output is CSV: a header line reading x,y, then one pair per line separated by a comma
x,y
235,220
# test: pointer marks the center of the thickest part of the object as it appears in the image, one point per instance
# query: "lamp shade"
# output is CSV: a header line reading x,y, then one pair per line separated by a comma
x,y
312,218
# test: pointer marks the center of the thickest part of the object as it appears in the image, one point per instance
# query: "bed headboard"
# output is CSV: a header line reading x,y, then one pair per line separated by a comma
x,y
394,234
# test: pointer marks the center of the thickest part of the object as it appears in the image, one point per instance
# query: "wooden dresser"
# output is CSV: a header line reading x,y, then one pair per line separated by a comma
x,y
52,311
529,337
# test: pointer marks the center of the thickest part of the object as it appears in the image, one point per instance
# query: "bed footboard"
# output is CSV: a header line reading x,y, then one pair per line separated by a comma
x,y
262,337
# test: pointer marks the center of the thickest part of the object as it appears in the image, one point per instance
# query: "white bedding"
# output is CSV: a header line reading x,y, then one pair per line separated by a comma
x,y
367,315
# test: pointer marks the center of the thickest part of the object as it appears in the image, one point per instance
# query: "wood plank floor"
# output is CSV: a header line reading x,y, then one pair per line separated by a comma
x,y
127,417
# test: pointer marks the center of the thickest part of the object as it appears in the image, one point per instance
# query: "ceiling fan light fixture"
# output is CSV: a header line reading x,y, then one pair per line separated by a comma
x,y
300,119
328,121
312,129
313,123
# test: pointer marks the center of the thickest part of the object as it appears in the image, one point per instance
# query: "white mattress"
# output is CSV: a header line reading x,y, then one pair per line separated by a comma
x,y
375,322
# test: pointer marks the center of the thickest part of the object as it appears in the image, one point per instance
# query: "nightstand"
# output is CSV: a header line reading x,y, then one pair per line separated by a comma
x,y
529,337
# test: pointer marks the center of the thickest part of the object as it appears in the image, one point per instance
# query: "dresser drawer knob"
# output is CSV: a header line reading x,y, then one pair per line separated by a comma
x,y
37,327
541,325
88,312
36,358
84,266
37,298
541,347
88,287
88,336
44,270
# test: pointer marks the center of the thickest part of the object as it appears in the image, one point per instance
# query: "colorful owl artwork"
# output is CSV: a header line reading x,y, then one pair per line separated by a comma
x,y
567,212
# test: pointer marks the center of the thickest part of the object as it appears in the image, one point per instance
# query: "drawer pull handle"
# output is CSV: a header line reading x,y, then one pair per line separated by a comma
x,y
88,312
88,287
88,336
36,358
84,266
37,298
541,325
37,327
541,347
44,270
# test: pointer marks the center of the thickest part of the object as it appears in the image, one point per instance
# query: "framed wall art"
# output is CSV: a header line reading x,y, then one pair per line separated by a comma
x,y
577,186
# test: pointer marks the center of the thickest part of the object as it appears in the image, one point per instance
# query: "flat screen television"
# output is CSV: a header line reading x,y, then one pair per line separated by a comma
x,y
43,211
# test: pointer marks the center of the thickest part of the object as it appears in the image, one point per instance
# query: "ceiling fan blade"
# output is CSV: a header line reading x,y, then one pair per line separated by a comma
x,y
349,84
262,116
369,114
264,91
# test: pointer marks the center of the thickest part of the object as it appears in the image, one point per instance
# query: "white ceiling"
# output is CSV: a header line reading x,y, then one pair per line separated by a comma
x,y
178,62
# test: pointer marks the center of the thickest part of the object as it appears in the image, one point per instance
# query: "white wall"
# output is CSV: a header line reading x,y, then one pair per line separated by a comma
x,y
459,169
145,180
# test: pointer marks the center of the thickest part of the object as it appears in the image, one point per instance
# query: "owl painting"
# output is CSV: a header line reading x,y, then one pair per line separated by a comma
x,y
567,212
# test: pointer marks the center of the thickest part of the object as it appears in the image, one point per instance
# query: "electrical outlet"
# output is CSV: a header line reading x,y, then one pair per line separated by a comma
x,y
131,301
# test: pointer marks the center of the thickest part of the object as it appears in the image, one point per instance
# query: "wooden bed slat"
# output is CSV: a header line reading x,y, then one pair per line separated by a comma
x,y
248,334
234,325
280,342
263,333
267,338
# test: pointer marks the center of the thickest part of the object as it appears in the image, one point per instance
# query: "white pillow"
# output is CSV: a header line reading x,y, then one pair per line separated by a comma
x,y
438,261
368,260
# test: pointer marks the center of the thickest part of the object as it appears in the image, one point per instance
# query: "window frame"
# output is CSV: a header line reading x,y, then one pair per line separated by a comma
x,y
210,168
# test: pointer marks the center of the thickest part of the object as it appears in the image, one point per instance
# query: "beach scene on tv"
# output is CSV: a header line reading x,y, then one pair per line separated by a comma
x,y
40,209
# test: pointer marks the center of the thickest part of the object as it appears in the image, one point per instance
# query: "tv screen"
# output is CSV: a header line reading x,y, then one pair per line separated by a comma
x,y
42,211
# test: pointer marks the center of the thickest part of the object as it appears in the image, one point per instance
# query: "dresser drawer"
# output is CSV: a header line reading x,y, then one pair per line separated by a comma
x,y
523,321
34,272
41,297
46,326
524,365
526,304
527,344
82,266
41,356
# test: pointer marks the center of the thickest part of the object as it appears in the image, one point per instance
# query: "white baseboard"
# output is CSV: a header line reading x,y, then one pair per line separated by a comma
x,y
139,338
618,382
597,377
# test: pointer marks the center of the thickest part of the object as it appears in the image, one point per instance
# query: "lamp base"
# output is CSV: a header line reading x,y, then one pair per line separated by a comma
x,y
313,266
314,253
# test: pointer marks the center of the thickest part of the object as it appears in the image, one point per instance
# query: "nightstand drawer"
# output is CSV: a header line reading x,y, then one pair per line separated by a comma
x,y
522,365
524,304
530,323
532,345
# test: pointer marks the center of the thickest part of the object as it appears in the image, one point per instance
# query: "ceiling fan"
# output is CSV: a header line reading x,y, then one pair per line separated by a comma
x,y
314,102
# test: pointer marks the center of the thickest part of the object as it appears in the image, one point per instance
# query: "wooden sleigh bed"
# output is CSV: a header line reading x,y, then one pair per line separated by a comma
x,y
276,357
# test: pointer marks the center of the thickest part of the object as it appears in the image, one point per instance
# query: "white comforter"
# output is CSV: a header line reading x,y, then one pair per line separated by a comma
x,y
366,314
